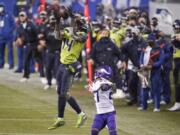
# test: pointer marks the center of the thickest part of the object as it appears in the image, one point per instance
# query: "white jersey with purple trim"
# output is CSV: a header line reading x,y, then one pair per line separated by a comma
x,y
103,100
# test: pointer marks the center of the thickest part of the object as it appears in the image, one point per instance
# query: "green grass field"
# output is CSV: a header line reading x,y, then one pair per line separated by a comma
x,y
26,109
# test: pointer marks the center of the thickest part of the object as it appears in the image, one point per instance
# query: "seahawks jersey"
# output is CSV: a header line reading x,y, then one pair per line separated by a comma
x,y
71,47
103,100
96,35
176,44
117,36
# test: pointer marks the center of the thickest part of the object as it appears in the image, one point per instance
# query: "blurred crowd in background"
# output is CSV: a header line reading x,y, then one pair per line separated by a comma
x,y
142,60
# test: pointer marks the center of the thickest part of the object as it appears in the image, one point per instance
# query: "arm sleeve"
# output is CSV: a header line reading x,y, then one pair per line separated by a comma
x,y
17,32
117,52
12,23
124,50
169,51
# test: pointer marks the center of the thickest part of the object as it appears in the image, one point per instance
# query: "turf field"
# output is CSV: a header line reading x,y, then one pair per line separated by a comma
x,y
26,109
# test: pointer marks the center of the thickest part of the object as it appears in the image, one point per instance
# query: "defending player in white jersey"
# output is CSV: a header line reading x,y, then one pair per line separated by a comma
x,y
102,88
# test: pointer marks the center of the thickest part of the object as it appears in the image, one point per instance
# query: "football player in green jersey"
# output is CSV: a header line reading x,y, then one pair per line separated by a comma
x,y
117,32
73,39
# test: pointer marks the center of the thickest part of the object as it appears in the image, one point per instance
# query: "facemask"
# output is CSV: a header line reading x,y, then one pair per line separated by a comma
x,y
154,23
132,24
129,34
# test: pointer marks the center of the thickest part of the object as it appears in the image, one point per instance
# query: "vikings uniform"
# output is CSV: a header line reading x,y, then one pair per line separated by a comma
x,y
102,90
103,100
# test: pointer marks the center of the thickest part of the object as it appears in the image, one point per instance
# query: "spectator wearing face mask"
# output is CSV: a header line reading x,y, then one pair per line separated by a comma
x,y
117,32
155,64
154,25
27,38
105,52
131,52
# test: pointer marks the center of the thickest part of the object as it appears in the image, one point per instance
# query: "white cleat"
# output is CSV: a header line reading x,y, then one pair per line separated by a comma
x,y
6,65
119,94
156,110
53,81
175,107
47,87
43,80
24,79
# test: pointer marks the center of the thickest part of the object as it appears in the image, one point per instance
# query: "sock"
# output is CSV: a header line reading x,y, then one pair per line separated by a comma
x,y
177,91
59,118
94,132
113,132
61,106
82,113
72,102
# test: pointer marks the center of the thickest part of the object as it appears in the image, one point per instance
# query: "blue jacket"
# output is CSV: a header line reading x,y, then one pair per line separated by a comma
x,y
130,51
156,58
167,49
7,26
105,52
28,34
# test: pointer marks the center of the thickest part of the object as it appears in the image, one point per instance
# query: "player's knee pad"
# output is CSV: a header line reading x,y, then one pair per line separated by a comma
x,y
94,131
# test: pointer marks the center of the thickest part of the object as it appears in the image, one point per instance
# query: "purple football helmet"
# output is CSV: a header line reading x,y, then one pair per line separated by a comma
x,y
104,72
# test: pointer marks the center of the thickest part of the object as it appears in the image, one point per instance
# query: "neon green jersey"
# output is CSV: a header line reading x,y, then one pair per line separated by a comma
x,y
176,50
71,48
145,36
117,36
96,35
177,53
